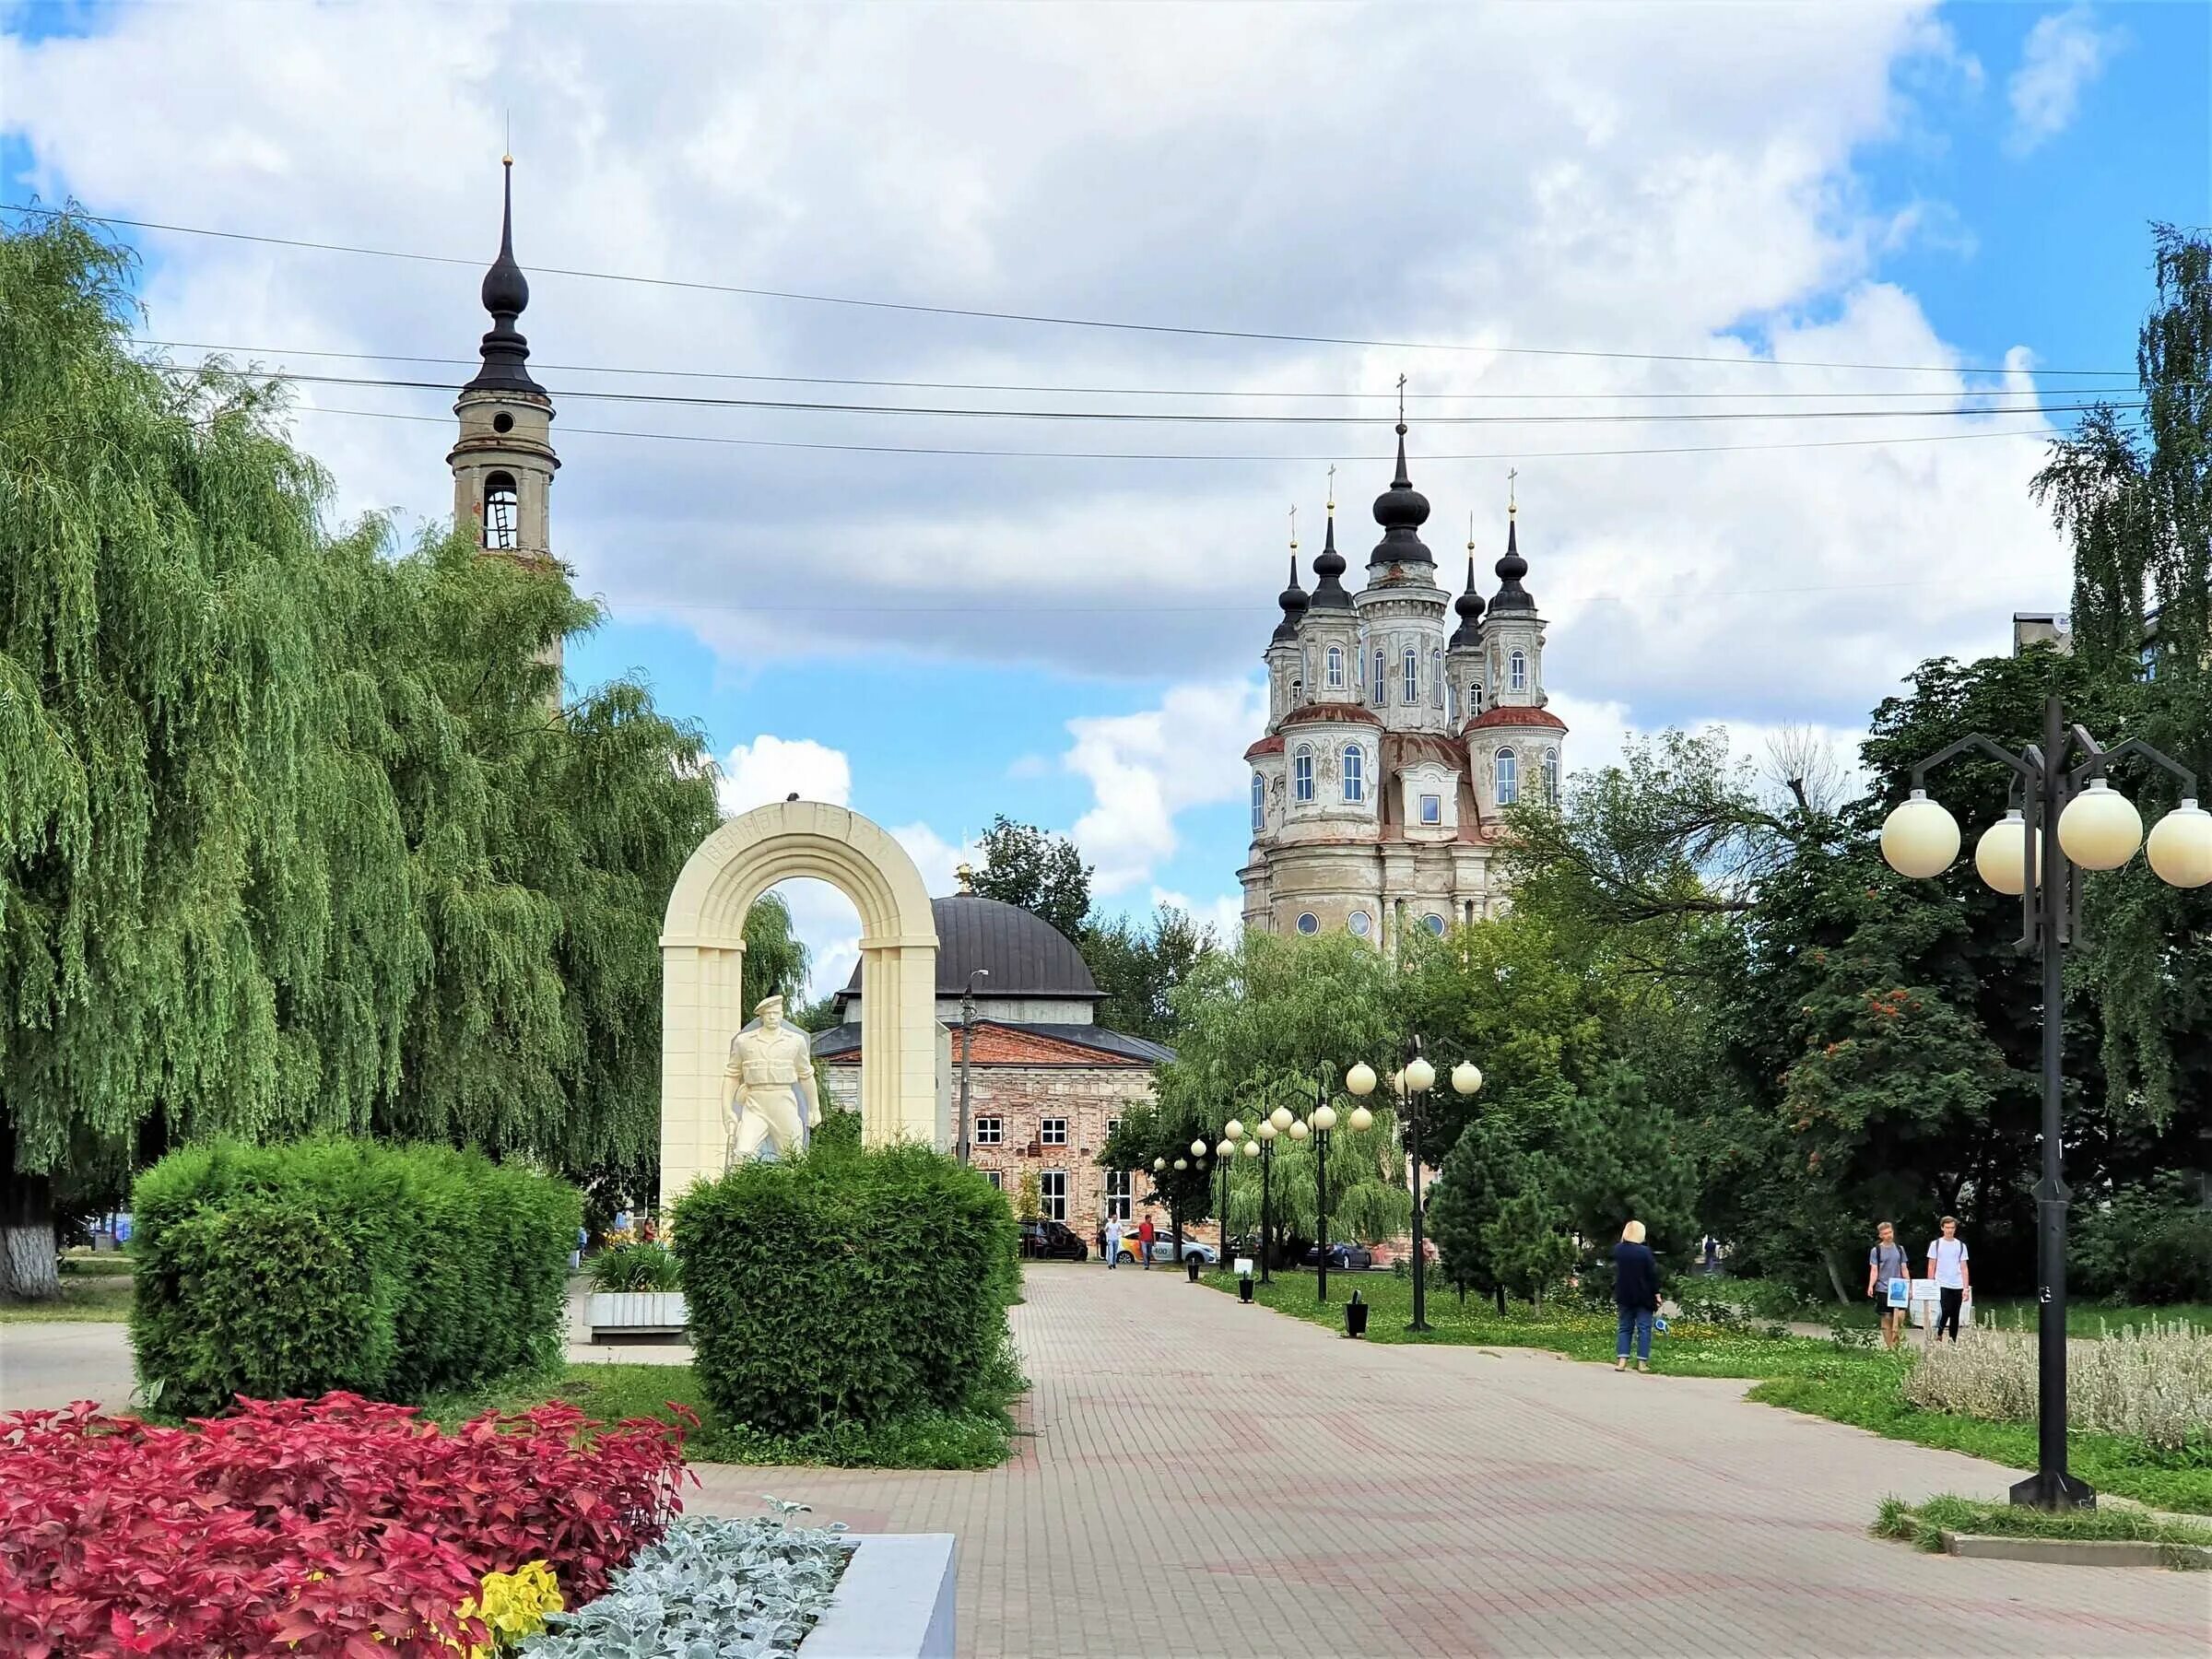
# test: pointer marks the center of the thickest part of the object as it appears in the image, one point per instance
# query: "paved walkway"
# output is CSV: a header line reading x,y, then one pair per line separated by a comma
x,y
1212,1479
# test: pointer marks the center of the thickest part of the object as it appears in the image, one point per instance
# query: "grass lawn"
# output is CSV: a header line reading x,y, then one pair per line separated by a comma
x,y
1925,1524
981,1437
97,1267
1856,1385
105,1297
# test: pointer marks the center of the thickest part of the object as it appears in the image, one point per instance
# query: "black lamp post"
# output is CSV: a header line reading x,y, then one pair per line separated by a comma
x,y
966,1038
1225,1152
2073,822
1414,1080
1323,1120
1266,1133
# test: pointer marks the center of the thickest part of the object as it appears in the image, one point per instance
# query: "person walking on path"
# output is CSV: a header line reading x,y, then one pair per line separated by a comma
x,y
1954,1282
1635,1296
1885,1264
1146,1234
1113,1241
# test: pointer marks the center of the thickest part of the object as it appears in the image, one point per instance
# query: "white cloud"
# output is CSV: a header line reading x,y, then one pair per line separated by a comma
x,y
770,768
2065,51
1145,768
935,858
823,919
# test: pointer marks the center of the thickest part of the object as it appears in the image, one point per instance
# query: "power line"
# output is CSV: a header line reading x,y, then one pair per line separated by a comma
x,y
1040,318
1176,417
922,385
907,449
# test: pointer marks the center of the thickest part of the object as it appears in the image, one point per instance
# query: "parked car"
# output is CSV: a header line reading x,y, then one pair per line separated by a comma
x,y
1052,1240
1344,1256
1163,1249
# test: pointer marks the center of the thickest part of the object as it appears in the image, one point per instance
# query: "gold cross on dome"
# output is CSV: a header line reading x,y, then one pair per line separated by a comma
x,y
1294,526
1332,486
1512,472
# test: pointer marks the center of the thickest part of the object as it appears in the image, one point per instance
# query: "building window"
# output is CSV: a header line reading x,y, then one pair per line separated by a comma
x,y
1517,671
2148,658
1436,677
1298,692
502,514
1551,776
1509,778
1335,661
1450,702
990,1131
1412,678
1117,1196
1111,1125
1052,1132
1259,802
1309,922
1381,681
998,1181
1432,810
1354,782
1474,696
1052,1193
1359,922
1301,769
1434,923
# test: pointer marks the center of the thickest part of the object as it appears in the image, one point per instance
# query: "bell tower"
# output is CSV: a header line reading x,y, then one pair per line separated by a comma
x,y
503,461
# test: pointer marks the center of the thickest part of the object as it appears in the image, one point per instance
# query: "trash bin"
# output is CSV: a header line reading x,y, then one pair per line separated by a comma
x,y
1355,1316
1244,1288
1191,1265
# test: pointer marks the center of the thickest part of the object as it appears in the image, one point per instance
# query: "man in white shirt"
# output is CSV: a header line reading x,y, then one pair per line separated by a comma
x,y
1114,1241
1954,1284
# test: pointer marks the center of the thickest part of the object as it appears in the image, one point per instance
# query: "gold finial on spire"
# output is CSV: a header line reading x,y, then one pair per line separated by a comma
x,y
1294,527
1511,505
965,875
507,157
1332,488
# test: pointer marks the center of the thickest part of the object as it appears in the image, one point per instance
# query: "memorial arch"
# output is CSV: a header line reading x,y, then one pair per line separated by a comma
x,y
702,961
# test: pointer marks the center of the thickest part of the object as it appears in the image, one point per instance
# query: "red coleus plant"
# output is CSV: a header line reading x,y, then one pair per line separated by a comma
x,y
331,1527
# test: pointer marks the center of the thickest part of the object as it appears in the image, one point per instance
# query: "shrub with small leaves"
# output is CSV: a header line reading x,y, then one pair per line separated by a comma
x,y
2154,1381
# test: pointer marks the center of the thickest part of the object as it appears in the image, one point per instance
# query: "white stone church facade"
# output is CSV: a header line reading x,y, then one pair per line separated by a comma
x,y
1392,749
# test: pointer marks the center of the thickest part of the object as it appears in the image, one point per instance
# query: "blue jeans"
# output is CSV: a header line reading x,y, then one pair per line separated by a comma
x,y
1636,1323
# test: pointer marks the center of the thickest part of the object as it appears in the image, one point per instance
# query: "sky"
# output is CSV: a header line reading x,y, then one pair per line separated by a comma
x,y
1554,211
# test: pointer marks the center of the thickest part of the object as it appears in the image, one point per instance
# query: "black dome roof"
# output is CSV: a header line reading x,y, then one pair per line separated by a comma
x,y
1026,954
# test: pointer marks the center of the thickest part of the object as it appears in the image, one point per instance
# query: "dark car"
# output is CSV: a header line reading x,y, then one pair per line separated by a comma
x,y
1345,1257
1052,1240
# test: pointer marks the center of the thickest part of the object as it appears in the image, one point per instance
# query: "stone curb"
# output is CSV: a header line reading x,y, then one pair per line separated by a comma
x,y
2077,1552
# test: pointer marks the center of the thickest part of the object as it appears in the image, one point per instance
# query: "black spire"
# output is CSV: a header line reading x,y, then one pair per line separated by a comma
x,y
1294,602
1512,595
1401,511
506,295
1328,591
1469,606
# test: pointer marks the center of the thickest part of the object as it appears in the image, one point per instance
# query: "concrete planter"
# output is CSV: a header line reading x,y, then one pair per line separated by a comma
x,y
895,1601
635,1312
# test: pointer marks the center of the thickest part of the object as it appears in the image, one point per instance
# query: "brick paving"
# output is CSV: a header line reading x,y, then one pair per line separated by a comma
x,y
1204,1478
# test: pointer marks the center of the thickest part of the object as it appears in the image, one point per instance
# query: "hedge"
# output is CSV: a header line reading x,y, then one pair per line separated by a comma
x,y
844,1286
392,1272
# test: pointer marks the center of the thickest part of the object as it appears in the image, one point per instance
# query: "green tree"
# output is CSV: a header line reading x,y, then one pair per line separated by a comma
x,y
1029,1203
1138,966
776,960
1489,1168
1621,1159
1151,1138
1041,872
1527,1245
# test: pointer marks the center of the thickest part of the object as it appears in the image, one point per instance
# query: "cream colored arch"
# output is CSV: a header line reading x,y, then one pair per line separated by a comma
x,y
702,960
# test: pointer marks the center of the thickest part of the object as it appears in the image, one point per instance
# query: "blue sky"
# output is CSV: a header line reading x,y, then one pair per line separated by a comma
x,y
1073,642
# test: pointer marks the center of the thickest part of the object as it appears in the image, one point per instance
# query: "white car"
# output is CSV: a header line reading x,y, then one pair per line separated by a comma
x,y
1163,1249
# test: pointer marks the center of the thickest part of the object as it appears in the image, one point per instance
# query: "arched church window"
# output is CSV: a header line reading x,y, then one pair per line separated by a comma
x,y
502,514
1298,692
1438,691
1259,802
1509,778
1474,696
1301,771
1517,671
1450,702
1355,783
1335,667
1413,676
1551,776
1382,680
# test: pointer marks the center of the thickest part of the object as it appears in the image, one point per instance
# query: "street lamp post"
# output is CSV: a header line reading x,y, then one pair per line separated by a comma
x,y
1323,1120
2073,822
967,1038
1413,1081
1224,1152
1266,1133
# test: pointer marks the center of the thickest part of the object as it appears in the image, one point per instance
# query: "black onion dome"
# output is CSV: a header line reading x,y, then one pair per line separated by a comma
x,y
1294,602
1512,595
506,295
1469,606
1401,511
1328,591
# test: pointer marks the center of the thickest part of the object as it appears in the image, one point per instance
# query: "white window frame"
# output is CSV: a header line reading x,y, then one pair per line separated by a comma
x,y
1306,918
1474,696
1111,1125
1051,1132
1551,776
1440,690
1412,665
990,1130
998,1181
1051,1206
1435,923
1335,668
1259,802
1517,671
1509,777
1355,774
1120,1205
1302,773
1298,691
1359,924
502,529
1382,678
1432,811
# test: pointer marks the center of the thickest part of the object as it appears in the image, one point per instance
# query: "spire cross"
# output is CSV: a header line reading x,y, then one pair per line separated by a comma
x,y
1401,401
1332,486
1512,472
1294,527
1470,529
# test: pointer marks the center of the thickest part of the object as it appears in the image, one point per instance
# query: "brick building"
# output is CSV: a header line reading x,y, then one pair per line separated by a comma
x,y
1046,1082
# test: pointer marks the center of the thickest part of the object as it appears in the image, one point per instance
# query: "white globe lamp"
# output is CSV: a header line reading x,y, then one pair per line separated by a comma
x,y
1159,1163
1234,1129
1197,1149
1228,1148
1362,1118
2003,856
1280,1117
2100,828
1467,1077
1419,1074
1252,1148
1267,1129
1297,1129
1920,839
2181,846
1360,1079
1324,1117
1182,1163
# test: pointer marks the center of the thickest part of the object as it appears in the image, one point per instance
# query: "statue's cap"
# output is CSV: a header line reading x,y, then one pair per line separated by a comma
x,y
766,1003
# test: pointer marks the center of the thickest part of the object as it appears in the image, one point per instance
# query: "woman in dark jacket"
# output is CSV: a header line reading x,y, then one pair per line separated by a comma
x,y
1635,1296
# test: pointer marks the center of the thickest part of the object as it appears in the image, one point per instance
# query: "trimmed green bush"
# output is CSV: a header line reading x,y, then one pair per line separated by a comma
x,y
394,1272
845,1286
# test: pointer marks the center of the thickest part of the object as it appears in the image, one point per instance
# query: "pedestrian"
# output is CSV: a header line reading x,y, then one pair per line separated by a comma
x,y
1886,1266
1146,1234
1712,1255
1113,1241
1635,1296
1954,1282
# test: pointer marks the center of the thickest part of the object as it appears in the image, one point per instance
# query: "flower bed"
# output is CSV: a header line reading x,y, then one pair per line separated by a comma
x,y
2154,1381
331,1527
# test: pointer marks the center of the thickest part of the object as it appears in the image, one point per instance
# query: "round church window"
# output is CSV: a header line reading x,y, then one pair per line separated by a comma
x,y
1309,922
1434,923
502,422
1358,922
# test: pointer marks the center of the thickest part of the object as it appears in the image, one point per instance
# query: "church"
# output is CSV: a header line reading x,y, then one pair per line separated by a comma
x,y
1392,750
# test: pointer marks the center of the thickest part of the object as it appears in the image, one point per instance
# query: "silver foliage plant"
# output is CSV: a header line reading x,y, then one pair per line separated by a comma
x,y
708,1589
2154,1381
